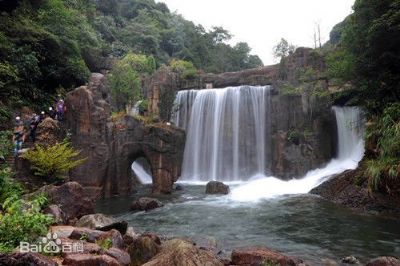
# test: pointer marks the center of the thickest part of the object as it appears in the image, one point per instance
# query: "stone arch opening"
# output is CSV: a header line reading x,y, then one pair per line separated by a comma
x,y
140,169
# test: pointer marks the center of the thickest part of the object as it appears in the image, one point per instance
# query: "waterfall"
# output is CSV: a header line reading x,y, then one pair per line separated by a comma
x,y
227,132
350,132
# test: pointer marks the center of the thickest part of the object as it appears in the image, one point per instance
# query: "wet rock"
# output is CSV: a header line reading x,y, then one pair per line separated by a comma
x,y
23,259
215,187
350,260
146,204
329,262
71,199
121,256
102,222
260,256
384,261
89,260
179,252
57,213
178,187
143,249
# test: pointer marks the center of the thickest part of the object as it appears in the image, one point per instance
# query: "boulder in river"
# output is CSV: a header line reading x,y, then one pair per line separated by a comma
x,y
216,187
146,204
261,256
384,261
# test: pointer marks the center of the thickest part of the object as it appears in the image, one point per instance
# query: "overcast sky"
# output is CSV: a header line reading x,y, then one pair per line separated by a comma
x,y
261,23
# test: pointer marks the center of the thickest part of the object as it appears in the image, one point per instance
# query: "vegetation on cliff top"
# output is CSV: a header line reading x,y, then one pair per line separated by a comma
x,y
52,44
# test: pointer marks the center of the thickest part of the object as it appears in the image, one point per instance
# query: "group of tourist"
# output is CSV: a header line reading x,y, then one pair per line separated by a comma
x,y
32,123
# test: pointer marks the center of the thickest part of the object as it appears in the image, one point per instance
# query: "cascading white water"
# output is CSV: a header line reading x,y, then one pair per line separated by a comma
x,y
227,132
143,176
350,152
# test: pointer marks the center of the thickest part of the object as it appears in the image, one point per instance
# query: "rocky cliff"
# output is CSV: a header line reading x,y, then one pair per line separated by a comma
x,y
111,144
302,124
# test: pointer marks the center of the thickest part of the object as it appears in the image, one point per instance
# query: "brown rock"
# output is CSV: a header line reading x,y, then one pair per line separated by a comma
x,y
143,249
178,252
384,261
88,248
255,256
24,259
146,204
71,198
121,256
215,187
57,213
49,132
102,222
89,260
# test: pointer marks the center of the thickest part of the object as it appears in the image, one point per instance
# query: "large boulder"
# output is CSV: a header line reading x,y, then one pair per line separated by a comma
x,y
102,222
71,198
146,204
143,249
384,261
259,256
215,187
57,213
178,252
22,259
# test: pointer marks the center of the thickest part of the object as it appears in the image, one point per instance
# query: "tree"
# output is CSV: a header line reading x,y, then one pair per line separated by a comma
x,y
125,78
283,49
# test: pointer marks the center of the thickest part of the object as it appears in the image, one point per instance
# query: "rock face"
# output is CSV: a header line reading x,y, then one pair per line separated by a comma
x,y
146,204
384,261
49,132
112,145
261,256
303,127
179,252
215,187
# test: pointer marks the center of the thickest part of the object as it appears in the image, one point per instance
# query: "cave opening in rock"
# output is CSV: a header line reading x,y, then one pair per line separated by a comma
x,y
141,171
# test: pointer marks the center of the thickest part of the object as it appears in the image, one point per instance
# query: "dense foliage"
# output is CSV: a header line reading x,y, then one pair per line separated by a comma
x,y
365,52
49,44
53,162
20,220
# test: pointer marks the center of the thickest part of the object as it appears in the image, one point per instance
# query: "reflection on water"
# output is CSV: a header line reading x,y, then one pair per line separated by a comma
x,y
300,225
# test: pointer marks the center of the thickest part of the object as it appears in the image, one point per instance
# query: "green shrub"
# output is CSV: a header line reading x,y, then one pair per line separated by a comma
x,y
22,221
6,144
105,243
8,187
387,133
53,162
185,69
